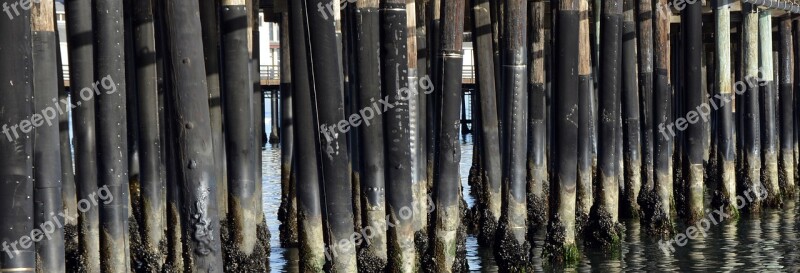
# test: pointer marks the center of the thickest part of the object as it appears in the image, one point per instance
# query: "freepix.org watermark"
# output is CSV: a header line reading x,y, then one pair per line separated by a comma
x,y
46,229
703,111
50,113
377,108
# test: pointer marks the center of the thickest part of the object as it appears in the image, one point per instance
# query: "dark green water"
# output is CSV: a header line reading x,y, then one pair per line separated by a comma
x,y
767,242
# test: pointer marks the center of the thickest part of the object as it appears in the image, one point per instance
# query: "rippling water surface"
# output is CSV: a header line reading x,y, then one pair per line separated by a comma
x,y
767,242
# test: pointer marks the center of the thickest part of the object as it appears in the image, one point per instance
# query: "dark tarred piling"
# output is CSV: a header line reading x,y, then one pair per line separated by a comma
x,y
586,122
191,123
538,181
242,251
372,257
602,229
446,238
695,113
209,12
16,146
421,236
337,185
751,116
288,208
767,98
632,155
68,187
46,142
80,48
151,178
560,244
512,250
725,193
397,139
786,102
658,203
112,158
309,217
490,208
644,39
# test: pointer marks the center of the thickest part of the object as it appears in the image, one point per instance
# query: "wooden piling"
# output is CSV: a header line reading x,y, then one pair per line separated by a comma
x,y
726,148
490,161
512,248
288,208
16,147
751,117
397,141
423,56
80,48
560,244
697,112
373,257
586,122
192,126
660,203
786,102
240,135
644,39
309,213
209,14
537,119
767,98
604,218
448,237
46,142
337,187
632,155
112,156
151,179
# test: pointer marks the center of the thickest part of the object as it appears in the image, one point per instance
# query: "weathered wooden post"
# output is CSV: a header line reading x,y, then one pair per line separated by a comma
x,y
632,155
46,142
537,119
191,123
786,102
112,156
309,211
337,185
767,97
586,122
751,118
726,148
446,239
373,256
16,146
490,149
560,245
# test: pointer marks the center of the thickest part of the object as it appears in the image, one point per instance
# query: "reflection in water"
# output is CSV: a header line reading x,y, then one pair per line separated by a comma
x,y
766,241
